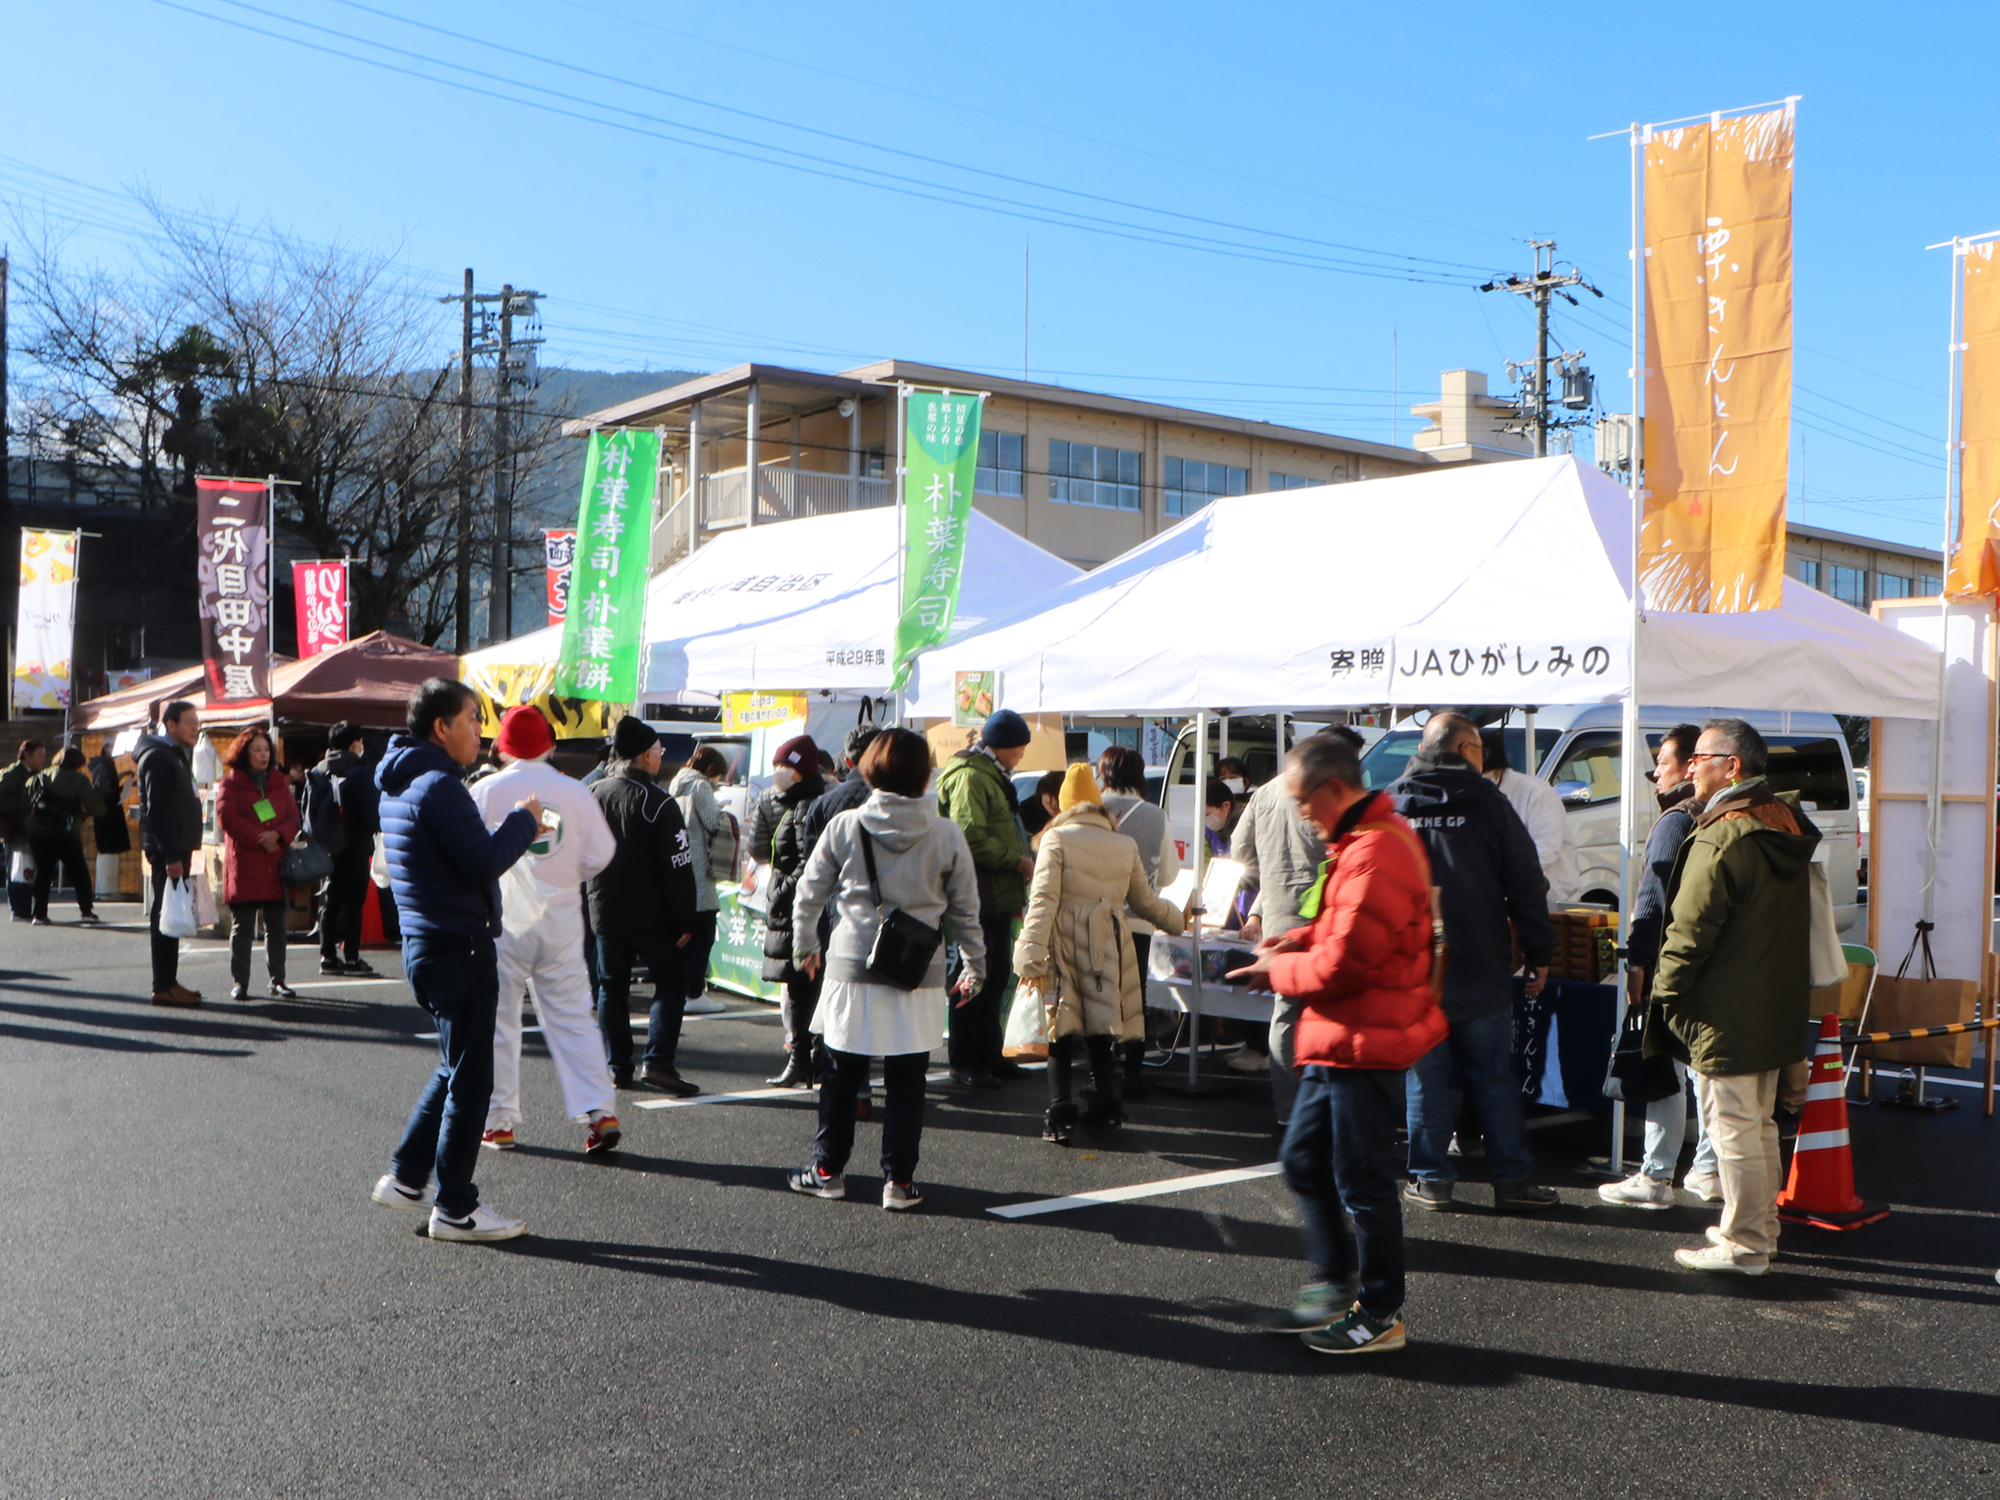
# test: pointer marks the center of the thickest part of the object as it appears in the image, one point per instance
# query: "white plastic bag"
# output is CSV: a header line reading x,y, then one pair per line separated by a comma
x,y
1027,1023
205,913
524,898
378,865
107,874
21,868
177,919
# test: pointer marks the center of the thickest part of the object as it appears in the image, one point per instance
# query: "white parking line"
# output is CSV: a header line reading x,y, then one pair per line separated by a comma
x,y
340,984
745,1094
1136,1190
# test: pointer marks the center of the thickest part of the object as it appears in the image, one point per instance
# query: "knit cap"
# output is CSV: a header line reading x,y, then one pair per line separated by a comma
x,y
1078,786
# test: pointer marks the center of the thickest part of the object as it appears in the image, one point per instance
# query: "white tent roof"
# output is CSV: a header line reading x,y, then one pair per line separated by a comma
x,y
811,604
1492,583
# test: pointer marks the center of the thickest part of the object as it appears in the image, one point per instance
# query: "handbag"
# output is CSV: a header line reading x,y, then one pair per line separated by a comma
x,y
305,863
1633,1076
904,947
177,918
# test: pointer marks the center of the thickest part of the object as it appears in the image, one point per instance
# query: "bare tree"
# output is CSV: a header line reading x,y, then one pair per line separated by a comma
x,y
228,350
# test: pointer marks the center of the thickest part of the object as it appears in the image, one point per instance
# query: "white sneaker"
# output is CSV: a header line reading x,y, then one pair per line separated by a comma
x,y
1704,1185
1722,1258
481,1224
1638,1191
1247,1060
705,1006
392,1194
899,1197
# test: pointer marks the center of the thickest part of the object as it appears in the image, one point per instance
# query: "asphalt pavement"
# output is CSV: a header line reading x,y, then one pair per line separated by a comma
x,y
198,1298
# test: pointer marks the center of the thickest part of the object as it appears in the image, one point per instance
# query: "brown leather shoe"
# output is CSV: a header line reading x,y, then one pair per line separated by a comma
x,y
177,995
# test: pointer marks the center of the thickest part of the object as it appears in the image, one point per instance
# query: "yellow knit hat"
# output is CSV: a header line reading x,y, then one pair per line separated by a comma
x,y
1078,786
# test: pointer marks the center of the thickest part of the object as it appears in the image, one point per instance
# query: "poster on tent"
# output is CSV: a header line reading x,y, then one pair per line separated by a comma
x,y
45,620
940,451
319,592
742,712
1975,561
1718,248
559,555
233,583
605,622
974,696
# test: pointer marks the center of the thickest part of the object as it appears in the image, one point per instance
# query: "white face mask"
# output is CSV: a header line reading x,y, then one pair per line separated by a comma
x,y
1234,783
1215,818
784,777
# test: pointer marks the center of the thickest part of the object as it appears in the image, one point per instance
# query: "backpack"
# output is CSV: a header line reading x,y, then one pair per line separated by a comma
x,y
325,819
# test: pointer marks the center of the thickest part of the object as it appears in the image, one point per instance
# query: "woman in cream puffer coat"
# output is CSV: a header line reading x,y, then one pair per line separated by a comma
x,y
1075,948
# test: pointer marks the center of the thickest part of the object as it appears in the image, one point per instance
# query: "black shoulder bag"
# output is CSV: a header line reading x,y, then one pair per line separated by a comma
x,y
904,946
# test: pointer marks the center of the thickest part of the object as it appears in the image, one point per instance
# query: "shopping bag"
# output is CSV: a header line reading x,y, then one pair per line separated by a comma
x,y
1829,960
1027,1024
204,899
21,868
378,865
1633,1076
524,898
177,913
107,874
1903,1002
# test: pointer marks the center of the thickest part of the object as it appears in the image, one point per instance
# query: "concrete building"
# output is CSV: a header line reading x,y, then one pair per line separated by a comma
x,y
1858,570
1085,476
1466,422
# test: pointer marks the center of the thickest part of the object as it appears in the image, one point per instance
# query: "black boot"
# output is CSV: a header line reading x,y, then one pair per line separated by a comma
x,y
1059,1124
1134,1055
1105,1112
797,1073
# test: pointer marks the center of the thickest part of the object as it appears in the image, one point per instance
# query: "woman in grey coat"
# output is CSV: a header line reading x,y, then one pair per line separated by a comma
x,y
924,869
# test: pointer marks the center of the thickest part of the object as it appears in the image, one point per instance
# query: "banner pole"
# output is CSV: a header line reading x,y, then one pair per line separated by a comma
x,y
902,511
1953,472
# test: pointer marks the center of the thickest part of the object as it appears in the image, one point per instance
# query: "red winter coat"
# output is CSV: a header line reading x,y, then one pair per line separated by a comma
x,y
248,872
1364,984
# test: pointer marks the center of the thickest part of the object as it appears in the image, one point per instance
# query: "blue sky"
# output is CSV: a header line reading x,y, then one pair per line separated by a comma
x,y
1296,142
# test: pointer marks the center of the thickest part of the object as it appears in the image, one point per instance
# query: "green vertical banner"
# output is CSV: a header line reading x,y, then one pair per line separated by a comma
x,y
602,636
940,451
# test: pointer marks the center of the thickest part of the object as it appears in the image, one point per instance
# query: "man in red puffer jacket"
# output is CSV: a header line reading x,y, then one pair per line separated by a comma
x,y
1362,974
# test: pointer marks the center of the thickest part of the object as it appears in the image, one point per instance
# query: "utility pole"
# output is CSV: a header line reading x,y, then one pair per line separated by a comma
x,y
515,367
1547,282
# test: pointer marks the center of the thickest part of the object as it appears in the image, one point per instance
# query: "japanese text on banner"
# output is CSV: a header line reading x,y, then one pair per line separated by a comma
x,y
559,552
233,578
320,592
940,452
601,642
1718,247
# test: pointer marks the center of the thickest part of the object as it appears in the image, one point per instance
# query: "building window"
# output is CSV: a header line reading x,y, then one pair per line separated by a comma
x,y
1084,474
1809,571
1889,586
1848,585
1001,456
1930,587
1291,481
1191,484
874,462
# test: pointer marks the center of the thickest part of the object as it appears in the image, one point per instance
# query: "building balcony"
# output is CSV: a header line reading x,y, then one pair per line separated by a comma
x,y
783,494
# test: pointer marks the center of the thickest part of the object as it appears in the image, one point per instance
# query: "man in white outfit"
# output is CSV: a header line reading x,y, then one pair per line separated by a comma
x,y
1543,811
549,954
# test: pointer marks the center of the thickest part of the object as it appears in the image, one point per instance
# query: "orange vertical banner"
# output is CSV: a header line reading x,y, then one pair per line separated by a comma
x,y
1975,562
1718,236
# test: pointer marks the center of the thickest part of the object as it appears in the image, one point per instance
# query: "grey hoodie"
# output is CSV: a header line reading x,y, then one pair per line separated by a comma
x,y
925,868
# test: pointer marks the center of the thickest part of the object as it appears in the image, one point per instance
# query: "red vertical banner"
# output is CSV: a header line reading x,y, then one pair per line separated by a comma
x,y
233,581
320,591
560,547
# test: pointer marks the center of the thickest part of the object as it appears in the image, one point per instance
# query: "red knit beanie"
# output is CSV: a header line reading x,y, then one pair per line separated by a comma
x,y
524,734
800,753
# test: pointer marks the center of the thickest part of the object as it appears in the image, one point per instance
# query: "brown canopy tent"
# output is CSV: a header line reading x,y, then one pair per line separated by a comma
x,y
368,680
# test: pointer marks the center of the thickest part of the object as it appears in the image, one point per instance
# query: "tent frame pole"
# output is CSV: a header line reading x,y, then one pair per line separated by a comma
x,y
1198,844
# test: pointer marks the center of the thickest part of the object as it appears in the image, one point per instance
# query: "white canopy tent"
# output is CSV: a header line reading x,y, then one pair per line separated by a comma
x,y
811,605
1493,583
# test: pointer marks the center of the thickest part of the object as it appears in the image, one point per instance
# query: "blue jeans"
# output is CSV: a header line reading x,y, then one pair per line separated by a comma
x,y
1484,1049
1339,1153
846,1075
668,966
456,979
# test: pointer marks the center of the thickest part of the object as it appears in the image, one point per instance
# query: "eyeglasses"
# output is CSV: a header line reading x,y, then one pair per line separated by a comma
x,y
1711,755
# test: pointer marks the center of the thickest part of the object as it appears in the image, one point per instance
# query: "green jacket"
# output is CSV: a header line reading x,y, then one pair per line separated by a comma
x,y
975,794
54,799
14,799
1732,992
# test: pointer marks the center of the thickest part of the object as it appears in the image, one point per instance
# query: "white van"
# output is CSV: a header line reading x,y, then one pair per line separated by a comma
x,y
1579,750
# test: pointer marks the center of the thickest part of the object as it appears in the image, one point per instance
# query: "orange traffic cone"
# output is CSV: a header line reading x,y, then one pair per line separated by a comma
x,y
1820,1191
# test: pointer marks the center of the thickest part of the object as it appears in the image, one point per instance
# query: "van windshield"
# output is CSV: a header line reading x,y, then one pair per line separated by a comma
x,y
1389,756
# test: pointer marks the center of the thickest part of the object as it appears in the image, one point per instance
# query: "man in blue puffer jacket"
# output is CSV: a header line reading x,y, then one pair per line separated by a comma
x,y
445,869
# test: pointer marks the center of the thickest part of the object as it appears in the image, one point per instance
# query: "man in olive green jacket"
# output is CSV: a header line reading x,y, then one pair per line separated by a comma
x,y
1732,993
973,790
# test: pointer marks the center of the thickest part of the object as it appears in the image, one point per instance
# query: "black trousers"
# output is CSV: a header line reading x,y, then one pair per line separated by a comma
x,y
243,937
345,900
845,1077
977,1026
68,852
166,950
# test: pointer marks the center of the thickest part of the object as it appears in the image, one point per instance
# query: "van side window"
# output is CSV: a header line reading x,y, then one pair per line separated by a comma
x,y
1812,767
1595,760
